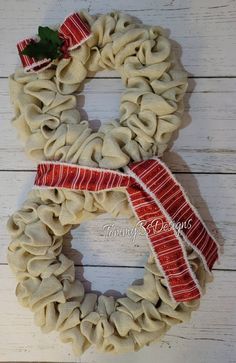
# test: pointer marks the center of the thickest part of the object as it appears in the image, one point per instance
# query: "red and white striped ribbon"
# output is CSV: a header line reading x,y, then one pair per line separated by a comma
x,y
154,194
74,31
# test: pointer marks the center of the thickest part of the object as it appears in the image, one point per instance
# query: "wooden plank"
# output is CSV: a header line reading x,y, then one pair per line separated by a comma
x,y
213,195
206,142
203,32
208,337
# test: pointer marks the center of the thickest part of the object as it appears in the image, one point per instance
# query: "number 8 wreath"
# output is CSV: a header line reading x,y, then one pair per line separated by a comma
x,y
117,169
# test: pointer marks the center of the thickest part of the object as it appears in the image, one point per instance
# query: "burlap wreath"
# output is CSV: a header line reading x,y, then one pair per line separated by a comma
x,y
50,126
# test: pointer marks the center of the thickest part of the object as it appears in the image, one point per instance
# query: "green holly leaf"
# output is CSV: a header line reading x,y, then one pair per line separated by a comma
x,y
49,35
34,50
49,45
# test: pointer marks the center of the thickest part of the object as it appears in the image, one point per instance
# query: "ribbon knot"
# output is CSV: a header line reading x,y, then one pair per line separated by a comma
x,y
74,31
154,194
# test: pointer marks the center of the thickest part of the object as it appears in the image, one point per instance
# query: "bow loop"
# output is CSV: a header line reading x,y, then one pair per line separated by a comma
x,y
73,32
31,63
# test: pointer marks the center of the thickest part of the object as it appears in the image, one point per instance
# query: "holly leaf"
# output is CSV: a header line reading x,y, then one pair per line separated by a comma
x,y
49,35
34,50
49,45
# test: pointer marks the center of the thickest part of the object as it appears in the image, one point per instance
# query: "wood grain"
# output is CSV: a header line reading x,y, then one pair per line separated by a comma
x,y
208,337
202,31
202,153
213,195
205,143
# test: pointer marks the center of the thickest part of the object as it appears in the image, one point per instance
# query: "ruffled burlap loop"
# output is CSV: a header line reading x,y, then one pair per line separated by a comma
x,y
45,109
52,129
48,287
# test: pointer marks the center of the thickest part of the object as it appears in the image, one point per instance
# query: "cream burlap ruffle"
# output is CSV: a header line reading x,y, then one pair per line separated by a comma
x,y
50,126
45,108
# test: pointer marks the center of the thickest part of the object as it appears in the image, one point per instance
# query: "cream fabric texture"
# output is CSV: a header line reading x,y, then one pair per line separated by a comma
x,y
50,126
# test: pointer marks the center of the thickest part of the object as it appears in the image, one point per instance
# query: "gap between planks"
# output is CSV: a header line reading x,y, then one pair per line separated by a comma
x,y
124,266
213,151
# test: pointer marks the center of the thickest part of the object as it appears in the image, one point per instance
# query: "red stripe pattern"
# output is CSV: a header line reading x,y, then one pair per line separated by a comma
x,y
172,197
30,63
74,31
155,195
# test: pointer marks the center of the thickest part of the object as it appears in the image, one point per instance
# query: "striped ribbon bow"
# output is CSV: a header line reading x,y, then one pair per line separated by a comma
x,y
154,194
73,31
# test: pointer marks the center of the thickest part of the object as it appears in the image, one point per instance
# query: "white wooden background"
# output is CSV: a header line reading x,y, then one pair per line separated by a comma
x,y
203,157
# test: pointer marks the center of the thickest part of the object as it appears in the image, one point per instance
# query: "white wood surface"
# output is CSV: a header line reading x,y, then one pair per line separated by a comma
x,y
203,155
206,142
206,191
208,338
203,29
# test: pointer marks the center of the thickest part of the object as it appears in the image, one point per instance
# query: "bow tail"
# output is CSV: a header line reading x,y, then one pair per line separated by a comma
x,y
157,200
166,190
166,245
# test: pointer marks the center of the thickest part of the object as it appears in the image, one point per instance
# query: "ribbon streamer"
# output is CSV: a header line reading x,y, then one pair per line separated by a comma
x,y
154,194
74,31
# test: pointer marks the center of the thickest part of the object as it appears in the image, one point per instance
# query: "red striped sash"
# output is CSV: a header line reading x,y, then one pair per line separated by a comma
x,y
154,195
